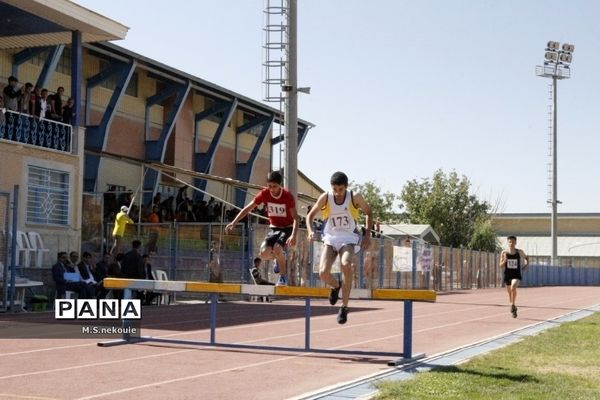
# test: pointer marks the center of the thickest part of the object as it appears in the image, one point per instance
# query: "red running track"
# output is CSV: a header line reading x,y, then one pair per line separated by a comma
x,y
79,369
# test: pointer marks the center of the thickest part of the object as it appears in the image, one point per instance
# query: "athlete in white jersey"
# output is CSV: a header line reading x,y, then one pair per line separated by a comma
x,y
340,221
340,211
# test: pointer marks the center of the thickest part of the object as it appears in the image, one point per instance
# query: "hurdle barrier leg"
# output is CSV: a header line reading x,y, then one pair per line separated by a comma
x,y
407,355
213,317
126,324
407,351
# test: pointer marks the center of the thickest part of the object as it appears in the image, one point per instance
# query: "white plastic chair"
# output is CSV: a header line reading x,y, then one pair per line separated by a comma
x,y
24,247
36,243
160,275
266,299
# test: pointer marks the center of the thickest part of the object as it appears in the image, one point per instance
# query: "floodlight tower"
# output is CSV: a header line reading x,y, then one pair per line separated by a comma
x,y
556,66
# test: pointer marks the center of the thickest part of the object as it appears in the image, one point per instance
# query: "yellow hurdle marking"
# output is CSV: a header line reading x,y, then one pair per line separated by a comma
x,y
401,294
300,291
289,291
118,283
206,287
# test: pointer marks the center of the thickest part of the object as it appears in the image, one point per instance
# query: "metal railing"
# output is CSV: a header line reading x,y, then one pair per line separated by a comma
x,y
39,132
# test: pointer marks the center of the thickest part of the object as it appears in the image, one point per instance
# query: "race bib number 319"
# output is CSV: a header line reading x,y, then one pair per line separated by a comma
x,y
276,210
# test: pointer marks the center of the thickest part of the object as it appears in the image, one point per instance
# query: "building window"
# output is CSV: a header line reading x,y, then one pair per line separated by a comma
x,y
216,117
64,62
47,196
111,82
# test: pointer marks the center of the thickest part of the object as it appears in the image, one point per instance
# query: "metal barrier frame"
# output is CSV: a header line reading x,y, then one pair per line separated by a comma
x,y
214,289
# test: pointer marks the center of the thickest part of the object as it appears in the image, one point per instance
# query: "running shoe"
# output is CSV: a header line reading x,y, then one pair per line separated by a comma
x,y
275,267
342,316
513,310
334,295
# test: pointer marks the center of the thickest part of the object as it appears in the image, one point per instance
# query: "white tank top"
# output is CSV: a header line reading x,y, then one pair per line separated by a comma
x,y
340,225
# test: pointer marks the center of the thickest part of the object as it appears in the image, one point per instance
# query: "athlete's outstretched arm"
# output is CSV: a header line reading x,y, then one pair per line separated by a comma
x,y
243,212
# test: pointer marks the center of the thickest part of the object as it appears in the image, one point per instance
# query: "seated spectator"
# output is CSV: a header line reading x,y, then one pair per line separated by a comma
x,y
67,282
85,270
114,271
73,261
256,273
100,271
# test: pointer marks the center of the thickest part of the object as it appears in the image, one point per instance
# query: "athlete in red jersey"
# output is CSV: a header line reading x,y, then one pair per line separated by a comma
x,y
283,221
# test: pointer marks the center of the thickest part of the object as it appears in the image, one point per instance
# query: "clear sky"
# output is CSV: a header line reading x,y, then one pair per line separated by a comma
x,y
402,88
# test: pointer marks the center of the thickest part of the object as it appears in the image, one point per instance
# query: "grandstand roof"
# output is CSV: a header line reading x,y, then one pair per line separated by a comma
x,y
35,23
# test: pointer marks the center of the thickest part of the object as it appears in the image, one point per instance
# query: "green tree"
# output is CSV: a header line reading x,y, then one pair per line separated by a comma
x,y
484,237
382,204
444,202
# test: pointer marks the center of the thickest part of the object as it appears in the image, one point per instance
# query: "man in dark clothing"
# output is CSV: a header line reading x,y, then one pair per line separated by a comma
x,y
62,284
148,296
12,94
85,270
133,266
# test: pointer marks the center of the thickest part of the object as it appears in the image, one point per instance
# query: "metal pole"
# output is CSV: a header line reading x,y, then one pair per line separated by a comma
x,y
553,229
291,104
13,249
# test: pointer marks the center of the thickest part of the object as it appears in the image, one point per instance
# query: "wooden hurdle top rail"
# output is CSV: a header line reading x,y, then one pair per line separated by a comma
x,y
266,290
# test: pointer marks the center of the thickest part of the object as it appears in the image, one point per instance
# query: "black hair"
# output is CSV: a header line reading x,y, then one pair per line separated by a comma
x,y
512,237
339,178
275,177
257,259
136,244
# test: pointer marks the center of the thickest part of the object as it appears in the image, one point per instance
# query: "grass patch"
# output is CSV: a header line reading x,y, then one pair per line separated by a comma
x,y
559,363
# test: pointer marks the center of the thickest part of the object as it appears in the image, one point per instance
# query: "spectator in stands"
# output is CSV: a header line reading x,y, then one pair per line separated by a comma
x,y
255,271
215,274
100,271
132,266
214,264
121,221
73,261
153,231
68,282
156,200
56,104
25,103
114,271
115,268
147,296
12,94
42,105
68,112
33,99
85,270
